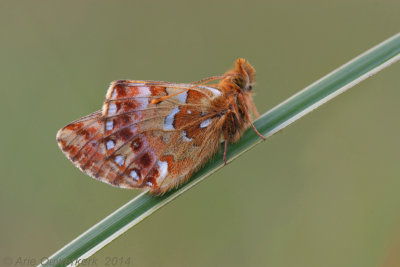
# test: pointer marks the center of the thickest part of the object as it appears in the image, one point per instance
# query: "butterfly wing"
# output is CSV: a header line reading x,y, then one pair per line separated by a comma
x,y
134,142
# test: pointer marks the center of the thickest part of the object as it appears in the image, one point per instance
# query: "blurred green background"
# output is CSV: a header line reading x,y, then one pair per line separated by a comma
x,y
324,192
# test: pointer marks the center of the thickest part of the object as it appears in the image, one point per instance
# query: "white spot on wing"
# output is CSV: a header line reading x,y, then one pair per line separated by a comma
x,y
214,91
163,167
169,120
134,175
143,91
205,123
143,101
114,94
119,160
182,97
189,112
133,128
109,125
185,138
112,109
110,144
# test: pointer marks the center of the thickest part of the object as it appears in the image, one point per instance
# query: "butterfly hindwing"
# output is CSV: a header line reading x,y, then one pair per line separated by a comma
x,y
136,142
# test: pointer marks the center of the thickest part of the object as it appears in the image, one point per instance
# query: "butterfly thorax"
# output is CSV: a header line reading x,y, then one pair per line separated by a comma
x,y
236,101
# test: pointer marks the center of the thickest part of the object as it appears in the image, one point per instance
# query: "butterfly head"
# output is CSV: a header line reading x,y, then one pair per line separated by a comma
x,y
243,75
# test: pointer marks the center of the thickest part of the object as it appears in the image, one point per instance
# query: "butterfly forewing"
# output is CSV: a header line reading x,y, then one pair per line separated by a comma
x,y
135,142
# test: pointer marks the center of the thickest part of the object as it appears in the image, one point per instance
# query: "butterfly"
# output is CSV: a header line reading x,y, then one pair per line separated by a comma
x,y
154,135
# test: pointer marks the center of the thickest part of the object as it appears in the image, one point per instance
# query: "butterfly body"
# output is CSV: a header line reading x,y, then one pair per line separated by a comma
x,y
154,135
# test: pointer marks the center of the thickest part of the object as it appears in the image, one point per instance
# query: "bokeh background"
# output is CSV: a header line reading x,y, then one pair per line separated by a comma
x,y
324,192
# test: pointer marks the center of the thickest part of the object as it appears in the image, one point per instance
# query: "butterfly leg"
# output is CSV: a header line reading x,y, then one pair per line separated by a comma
x,y
226,147
252,125
257,132
255,111
253,107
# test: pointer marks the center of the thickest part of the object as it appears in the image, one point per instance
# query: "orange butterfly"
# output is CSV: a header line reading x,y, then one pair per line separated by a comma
x,y
154,135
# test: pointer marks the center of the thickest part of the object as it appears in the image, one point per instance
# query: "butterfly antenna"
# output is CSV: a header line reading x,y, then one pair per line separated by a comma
x,y
213,78
201,82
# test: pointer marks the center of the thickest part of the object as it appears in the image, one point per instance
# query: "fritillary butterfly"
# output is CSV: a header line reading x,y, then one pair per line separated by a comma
x,y
154,135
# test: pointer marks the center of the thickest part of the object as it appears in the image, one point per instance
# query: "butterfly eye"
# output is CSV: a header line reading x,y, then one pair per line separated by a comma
x,y
249,87
239,82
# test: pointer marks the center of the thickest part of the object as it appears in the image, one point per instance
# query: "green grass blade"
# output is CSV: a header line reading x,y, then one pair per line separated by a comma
x,y
269,123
